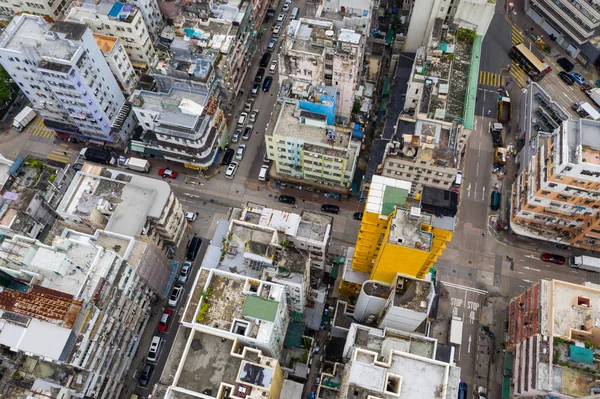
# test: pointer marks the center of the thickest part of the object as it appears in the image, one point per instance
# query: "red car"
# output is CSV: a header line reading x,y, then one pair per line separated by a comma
x,y
552,258
165,319
166,172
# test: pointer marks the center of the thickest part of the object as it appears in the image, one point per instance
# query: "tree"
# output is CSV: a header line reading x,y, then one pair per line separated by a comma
x,y
4,85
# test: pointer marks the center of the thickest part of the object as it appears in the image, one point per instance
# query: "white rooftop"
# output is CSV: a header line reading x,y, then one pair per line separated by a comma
x,y
276,219
40,338
350,36
377,191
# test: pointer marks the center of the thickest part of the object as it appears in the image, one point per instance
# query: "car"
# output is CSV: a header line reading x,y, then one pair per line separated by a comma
x,y
236,136
565,64
185,272
191,216
193,248
273,67
264,61
259,76
553,258
253,115
239,154
255,90
248,105
287,199
281,17
266,158
175,296
462,390
565,77
230,173
166,172
77,166
267,83
286,6
578,78
154,349
263,175
247,133
357,215
481,393
328,208
277,29
228,157
272,45
146,374
242,119
165,320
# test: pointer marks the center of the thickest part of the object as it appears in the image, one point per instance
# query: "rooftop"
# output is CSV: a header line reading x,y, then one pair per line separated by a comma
x,y
29,31
411,228
442,204
178,106
116,11
385,194
590,141
105,43
126,199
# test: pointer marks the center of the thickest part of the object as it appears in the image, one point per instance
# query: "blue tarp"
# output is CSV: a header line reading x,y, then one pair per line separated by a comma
x,y
14,169
115,10
356,132
581,355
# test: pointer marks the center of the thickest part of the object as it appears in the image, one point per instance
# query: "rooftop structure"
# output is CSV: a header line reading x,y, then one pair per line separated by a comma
x,y
556,324
123,203
308,150
238,307
118,61
555,195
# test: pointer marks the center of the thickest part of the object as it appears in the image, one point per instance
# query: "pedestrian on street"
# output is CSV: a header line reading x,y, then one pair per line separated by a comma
x,y
483,233
64,152
489,112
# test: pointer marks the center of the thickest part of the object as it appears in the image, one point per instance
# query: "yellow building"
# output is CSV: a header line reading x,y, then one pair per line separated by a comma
x,y
401,236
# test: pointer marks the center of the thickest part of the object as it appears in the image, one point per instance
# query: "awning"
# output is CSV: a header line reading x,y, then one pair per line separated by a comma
x,y
96,142
139,65
14,169
135,147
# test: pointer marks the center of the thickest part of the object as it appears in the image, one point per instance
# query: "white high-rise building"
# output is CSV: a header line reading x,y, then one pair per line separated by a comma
x,y
63,73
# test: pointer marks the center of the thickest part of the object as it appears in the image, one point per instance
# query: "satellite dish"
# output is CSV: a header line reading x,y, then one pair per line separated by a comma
x,y
329,33
409,151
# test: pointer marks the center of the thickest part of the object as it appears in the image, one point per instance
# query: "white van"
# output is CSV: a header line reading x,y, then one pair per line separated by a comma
x,y
294,14
264,173
155,347
458,180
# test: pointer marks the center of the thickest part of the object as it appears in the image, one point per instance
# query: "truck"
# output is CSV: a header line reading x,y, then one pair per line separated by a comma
x,y
496,131
96,155
594,94
504,109
456,330
585,110
137,164
23,118
585,262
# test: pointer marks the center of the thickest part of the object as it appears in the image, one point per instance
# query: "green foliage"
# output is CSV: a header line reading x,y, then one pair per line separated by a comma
x,y
356,106
202,312
546,49
4,85
466,34
52,178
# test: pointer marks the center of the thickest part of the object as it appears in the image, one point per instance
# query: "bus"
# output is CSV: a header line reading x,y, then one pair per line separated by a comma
x,y
528,62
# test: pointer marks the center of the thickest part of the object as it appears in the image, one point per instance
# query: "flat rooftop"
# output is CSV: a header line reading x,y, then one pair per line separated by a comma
x,y
105,43
590,141
385,194
132,198
383,341
263,216
31,31
176,107
442,204
287,122
314,226
406,229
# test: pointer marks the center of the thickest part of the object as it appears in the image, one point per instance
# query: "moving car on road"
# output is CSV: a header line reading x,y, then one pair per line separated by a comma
x,y
565,77
328,208
578,78
552,258
166,172
273,67
357,215
287,199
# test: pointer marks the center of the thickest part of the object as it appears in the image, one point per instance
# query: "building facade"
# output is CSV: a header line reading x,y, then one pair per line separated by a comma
x,y
64,75
118,61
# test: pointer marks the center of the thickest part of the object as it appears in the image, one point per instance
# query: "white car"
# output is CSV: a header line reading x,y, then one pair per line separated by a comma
x,y
239,154
253,115
277,29
176,294
231,169
248,105
287,5
190,216
281,17
185,272
273,67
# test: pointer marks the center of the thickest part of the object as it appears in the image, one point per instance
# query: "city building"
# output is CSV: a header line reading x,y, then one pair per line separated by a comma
x,y
430,15
389,363
50,10
574,25
151,15
316,52
308,150
118,61
80,302
123,203
555,195
238,307
182,121
553,335
64,75
210,365
121,21
36,188
349,14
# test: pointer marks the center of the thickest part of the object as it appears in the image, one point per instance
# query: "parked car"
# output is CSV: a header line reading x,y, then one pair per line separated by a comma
x,y
239,154
236,136
272,45
175,296
154,349
357,215
286,6
253,115
242,119
578,78
565,77
263,175
281,17
330,208
166,172
481,393
277,29
190,216
228,157
266,158
267,84
255,90
250,102
185,272
264,61
247,133
165,320
273,67
258,78
565,64
146,374
552,258
230,173
287,199
77,166
462,390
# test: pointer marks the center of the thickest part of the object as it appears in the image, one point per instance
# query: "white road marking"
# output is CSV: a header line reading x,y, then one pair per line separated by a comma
x,y
520,272
477,171
469,347
527,281
463,287
469,190
531,256
532,269
483,194
574,271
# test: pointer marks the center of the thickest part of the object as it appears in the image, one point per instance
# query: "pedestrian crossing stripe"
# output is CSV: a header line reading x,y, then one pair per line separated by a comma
x,y
491,79
58,154
37,128
517,36
518,74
